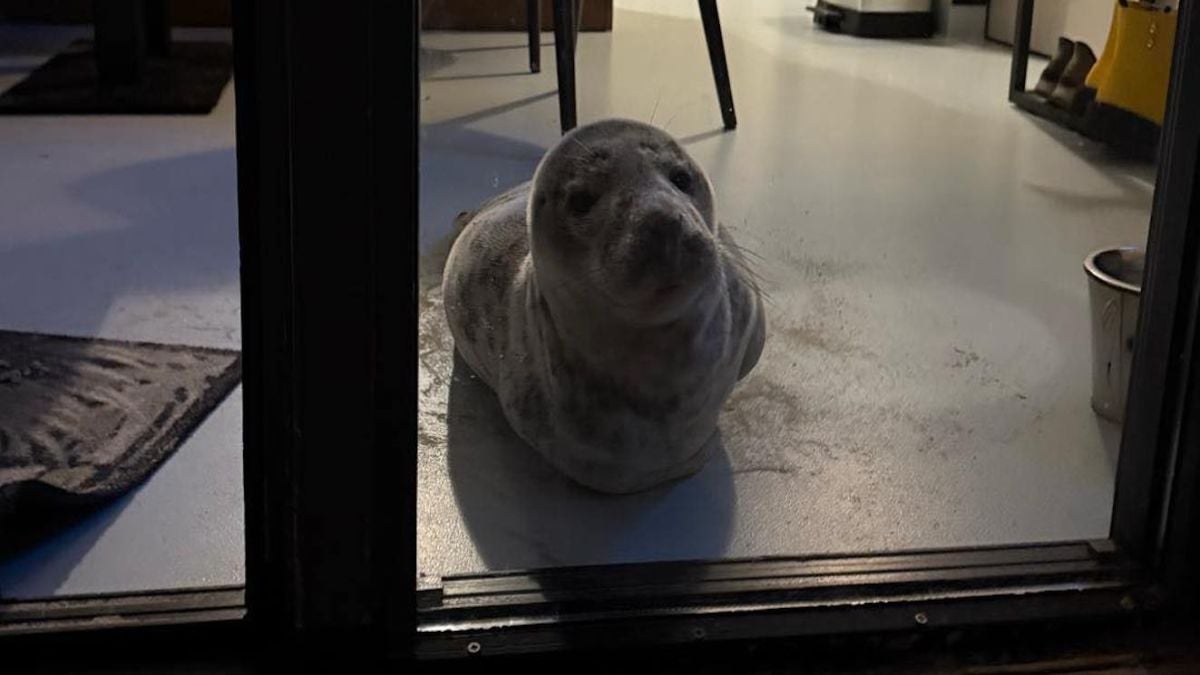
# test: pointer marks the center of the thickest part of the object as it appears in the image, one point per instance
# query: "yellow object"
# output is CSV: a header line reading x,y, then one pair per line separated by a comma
x,y
1136,76
1099,72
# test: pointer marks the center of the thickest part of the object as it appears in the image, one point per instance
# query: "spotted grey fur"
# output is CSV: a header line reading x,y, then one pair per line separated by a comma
x,y
607,307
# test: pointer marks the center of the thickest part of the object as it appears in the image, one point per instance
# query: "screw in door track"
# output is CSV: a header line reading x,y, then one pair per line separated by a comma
x,y
699,633
920,618
474,647
1128,603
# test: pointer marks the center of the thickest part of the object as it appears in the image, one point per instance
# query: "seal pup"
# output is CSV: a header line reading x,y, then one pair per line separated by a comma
x,y
607,307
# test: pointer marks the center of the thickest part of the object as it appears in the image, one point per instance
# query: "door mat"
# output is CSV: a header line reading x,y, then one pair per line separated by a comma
x,y
189,81
84,420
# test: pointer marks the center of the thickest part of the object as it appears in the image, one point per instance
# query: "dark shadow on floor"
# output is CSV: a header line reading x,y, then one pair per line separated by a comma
x,y
432,60
50,554
522,514
1111,432
39,40
72,282
461,167
702,136
1120,166
476,76
495,48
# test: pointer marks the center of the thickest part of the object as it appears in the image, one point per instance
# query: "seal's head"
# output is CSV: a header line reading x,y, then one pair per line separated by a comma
x,y
621,214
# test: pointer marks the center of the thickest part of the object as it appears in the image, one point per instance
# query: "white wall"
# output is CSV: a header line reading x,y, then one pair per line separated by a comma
x,y
960,22
1086,20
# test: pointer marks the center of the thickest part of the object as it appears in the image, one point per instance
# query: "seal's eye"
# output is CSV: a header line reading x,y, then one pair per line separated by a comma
x,y
682,180
580,202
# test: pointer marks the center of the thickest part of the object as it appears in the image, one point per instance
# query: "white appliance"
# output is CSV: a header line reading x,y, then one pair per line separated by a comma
x,y
877,18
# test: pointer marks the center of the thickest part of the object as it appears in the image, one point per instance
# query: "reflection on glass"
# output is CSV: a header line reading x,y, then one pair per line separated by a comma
x,y
120,334
919,242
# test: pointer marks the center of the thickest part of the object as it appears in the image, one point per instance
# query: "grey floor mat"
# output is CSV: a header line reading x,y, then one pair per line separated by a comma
x,y
84,420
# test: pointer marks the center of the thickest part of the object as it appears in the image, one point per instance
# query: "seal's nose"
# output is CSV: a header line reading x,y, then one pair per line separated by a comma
x,y
663,237
671,247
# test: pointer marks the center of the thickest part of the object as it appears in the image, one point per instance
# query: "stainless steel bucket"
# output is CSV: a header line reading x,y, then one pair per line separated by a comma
x,y
1114,284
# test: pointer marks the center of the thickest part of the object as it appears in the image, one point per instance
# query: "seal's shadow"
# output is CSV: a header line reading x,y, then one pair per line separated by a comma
x,y
522,514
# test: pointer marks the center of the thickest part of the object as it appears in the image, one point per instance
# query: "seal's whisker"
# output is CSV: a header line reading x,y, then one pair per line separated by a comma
x,y
739,250
668,124
752,276
747,249
583,145
749,252
749,272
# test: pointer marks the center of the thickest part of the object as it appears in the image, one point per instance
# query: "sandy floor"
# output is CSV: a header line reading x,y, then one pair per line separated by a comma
x,y
926,377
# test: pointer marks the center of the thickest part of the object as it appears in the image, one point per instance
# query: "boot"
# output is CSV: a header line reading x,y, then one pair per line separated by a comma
x,y
1070,92
1054,69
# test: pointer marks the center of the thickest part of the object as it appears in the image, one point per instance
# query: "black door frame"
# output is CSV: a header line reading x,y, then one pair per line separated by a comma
x,y
327,173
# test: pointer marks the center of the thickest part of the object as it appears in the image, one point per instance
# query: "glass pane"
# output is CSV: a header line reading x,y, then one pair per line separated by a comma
x,y
933,344
120,443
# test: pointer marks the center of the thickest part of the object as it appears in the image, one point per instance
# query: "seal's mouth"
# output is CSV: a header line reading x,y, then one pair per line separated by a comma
x,y
669,294
676,293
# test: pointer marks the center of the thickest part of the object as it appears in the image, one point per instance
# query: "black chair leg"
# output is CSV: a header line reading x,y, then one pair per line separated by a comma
x,y
564,51
578,9
158,28
533,22
120,40
716,55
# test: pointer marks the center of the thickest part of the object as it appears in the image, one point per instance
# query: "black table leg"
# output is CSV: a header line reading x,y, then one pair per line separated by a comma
x,y
1020,58
120,38
716,55
578,9
533,23
158,28
564,51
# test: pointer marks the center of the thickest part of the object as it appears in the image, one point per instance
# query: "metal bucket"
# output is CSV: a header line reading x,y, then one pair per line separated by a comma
x,y
1114,284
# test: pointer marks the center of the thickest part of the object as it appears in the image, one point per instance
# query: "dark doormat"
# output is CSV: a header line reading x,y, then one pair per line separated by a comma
x,y
85,420
189,81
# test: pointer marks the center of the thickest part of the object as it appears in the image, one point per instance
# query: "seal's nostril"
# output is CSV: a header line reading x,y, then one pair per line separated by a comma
x,y
662,237
662,228
693,244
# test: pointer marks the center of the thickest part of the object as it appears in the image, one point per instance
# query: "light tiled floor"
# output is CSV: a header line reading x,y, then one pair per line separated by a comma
x,y
926,377
126,227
